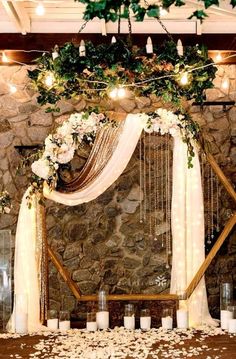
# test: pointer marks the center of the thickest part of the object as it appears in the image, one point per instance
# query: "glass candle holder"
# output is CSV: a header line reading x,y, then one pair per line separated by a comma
x,y
167,318
226,299
145,319
129,317
64,320
91,324
21,313
102,316
231,319
52,319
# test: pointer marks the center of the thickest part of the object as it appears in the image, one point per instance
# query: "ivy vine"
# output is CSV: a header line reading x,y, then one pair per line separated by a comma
x,y
111,10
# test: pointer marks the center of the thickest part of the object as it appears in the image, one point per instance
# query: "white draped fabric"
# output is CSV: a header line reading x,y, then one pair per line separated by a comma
x,y
26,271
187,223
128,140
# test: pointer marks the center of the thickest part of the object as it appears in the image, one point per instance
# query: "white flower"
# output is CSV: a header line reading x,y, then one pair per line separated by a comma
x,y
42,168
65,130
65,153
7,209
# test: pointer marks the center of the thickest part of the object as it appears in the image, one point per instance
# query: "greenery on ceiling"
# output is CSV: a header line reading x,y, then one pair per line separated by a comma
x,y
111,10
112,65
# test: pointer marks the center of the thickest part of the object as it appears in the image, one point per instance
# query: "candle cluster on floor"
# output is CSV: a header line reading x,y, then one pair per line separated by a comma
x,y
121,343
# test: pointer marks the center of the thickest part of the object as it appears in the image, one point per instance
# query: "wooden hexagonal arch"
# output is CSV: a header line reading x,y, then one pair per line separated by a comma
x,y
141,297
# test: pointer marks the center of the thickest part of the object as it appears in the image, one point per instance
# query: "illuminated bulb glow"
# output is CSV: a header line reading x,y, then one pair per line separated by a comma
x,y
40,10
117,93
218,57
49,80
184,78
163,11
4,57
12,88
225,84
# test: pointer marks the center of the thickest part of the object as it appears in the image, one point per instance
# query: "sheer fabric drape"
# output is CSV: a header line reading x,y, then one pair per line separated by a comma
x,y
188,237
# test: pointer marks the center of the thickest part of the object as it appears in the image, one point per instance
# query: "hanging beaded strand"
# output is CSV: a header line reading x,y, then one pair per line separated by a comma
x,y
161,186
217,205
168,204
212,203
155,170
150,186
208,205
140,182
144,179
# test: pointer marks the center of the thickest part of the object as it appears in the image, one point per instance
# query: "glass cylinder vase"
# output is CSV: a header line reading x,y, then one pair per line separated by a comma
x,y
129,318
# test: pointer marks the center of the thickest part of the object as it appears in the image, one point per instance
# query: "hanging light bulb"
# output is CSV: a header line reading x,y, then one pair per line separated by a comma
x,y
184,78
218,57
49,80
4,57
117,93
225,83
163,11
40,10
12,88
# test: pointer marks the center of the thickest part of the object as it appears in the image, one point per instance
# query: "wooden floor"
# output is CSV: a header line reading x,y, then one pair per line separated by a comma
x,y
219,347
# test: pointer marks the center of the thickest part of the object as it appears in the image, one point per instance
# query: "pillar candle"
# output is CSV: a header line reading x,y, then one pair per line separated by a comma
x,y
225,316
182,319
64,325
145,323
129,322
91,326
167,322
102,319
21,323
52,324
232,326
82,49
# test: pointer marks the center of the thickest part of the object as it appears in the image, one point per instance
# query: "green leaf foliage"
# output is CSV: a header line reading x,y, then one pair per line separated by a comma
x,y
109,65
110,9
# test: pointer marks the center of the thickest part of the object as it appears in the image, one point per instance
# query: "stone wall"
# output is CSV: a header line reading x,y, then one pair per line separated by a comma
x,y
103,242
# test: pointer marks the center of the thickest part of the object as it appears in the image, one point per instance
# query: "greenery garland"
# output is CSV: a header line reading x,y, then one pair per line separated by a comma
x,y
111,10
110,65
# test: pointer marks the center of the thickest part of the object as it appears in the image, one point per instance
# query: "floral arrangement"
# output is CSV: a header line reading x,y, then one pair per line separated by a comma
x,y
107,66
5,202
60,147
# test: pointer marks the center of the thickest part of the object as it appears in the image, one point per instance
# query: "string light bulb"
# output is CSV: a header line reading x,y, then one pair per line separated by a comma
x,y
40,10
12,88
184,78
163,11
225,83
117,93
49,80
218,57
4,57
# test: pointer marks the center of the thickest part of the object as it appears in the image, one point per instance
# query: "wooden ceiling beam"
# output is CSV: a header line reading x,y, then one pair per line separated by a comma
x,y
17,15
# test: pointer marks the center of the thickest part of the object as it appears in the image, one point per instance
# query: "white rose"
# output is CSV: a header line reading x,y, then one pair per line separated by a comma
x,y
65,130
65,154
42,168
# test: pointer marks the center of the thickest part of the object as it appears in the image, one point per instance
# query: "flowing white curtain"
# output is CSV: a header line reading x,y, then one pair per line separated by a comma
x,y
187,223
26,265
26,271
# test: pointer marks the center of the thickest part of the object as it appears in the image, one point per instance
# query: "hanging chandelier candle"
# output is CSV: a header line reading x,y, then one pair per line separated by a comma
x,y
149,46
180,48
82,49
